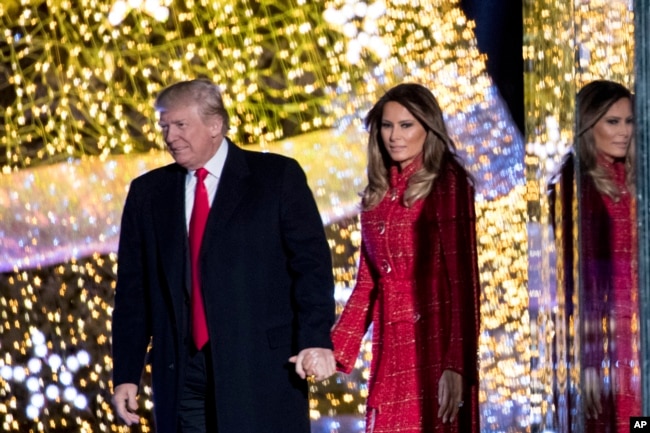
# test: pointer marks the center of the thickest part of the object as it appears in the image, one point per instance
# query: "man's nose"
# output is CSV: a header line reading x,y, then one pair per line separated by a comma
x,y
170,134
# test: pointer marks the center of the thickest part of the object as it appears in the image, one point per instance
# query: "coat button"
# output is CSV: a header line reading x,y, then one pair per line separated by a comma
x,y
386,266
382,228
171,366
416,317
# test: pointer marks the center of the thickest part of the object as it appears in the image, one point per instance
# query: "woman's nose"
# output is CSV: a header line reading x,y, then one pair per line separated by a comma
x,y
627,129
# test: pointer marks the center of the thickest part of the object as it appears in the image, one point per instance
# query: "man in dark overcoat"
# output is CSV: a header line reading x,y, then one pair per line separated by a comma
x,y
263,272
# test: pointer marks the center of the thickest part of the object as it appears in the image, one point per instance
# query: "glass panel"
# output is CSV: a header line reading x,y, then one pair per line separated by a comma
x,y
642,80
566,46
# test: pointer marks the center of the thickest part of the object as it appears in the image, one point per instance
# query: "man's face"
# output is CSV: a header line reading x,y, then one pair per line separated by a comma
x,y
190,139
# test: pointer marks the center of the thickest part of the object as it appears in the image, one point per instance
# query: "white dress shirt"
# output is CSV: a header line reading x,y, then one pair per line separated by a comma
x,y
214,167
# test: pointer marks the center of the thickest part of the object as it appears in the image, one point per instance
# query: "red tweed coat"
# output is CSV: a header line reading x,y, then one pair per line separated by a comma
x,y
610,295
418,286
608,290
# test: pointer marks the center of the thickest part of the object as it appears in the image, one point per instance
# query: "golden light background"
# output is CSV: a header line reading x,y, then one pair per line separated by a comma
x,y
77,81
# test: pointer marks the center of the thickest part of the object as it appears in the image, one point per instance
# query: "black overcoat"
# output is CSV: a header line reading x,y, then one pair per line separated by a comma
x,y
268,288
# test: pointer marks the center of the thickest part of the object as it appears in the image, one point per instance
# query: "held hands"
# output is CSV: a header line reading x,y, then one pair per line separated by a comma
x,y
593,407
316,362
450,395
125,401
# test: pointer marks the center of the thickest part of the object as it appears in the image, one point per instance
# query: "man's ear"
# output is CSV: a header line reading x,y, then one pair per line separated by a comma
x,y
217,126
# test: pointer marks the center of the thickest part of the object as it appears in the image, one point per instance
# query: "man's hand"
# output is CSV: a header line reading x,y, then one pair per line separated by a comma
x,y
126,403
315,361
450,395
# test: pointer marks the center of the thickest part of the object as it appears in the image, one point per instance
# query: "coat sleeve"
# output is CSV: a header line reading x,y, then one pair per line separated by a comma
x,y
355,318
456,229
130,325
309,260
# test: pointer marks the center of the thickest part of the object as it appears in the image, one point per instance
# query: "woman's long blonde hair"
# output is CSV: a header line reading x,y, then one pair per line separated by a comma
x,y
593,101
421,103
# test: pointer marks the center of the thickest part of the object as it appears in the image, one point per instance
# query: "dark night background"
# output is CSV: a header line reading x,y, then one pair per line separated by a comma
x,y
499,32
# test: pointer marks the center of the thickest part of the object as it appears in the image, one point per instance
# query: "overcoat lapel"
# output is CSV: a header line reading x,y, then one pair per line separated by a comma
x,y
232,189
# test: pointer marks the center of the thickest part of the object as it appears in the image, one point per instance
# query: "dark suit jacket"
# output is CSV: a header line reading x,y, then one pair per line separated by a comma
x,y
267,281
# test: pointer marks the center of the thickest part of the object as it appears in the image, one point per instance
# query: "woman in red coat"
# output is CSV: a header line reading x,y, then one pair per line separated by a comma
x,y
605,211
611,370
417,282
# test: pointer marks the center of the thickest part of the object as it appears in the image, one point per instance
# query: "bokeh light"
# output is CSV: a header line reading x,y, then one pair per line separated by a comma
x,y
77,80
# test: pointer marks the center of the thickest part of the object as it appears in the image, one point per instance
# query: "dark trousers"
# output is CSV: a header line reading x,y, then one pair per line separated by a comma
x,y
197,411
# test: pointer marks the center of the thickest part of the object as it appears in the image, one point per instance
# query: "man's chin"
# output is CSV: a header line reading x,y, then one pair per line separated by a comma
x,y
179,159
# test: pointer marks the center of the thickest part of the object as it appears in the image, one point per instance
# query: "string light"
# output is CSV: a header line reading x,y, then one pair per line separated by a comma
x,y
77,99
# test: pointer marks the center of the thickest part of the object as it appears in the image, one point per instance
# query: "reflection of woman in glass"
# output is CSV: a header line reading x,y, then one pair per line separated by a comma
x,y
604,148
418,279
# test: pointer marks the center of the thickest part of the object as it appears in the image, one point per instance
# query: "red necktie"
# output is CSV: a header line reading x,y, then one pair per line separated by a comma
x,y
197,226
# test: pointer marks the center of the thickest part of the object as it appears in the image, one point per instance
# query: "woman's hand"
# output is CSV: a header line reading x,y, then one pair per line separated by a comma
x,y
450,395
316,362
593,407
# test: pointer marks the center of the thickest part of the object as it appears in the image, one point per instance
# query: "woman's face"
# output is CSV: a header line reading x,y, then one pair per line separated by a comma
x,y
613,132
402,134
